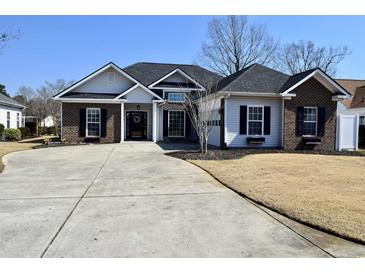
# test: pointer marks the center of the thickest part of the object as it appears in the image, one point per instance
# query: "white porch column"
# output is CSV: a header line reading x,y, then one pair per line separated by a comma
x,y
154,121
122,122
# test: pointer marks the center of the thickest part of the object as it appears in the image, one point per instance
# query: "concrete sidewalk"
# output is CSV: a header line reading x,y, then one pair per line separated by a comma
x,y
131,200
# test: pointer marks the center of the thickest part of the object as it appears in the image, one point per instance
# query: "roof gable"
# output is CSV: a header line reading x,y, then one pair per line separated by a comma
x,y
137,95
95,75
298,79
101,83
148,73
177,78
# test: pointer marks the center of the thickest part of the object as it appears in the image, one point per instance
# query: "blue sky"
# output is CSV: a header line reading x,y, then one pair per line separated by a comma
x,y
71,47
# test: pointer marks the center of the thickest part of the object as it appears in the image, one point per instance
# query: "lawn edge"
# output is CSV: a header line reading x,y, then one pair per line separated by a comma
x,y
311,225
2,165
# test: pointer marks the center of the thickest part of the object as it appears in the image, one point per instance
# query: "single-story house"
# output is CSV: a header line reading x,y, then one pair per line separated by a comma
x,y
257,106
10,112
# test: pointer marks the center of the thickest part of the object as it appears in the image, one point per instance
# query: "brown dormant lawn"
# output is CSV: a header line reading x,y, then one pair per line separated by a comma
x,y
7,147
321,190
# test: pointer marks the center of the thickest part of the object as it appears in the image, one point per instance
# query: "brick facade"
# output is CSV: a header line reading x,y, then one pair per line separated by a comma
x,y
71,122
310,93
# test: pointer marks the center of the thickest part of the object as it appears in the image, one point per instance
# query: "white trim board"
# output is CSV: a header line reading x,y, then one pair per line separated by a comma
x,y
325,76
133,88
177,70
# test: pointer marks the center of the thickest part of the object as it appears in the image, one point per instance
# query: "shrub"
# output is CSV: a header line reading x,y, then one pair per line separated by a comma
x,y
13,134
25,131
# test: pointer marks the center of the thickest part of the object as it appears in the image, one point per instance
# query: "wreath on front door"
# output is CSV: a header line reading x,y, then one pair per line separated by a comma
x,y
136,119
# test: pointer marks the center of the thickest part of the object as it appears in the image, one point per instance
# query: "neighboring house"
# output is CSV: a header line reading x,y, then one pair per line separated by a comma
x,y
47,122
354,105
10,112
257,106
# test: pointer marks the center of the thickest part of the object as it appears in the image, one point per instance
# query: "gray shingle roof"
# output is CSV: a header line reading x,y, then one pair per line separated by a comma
x,y
255,78
5,100
148,73
295,79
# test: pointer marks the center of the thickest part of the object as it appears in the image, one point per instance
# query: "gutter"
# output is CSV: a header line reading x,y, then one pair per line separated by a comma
x,y
252,94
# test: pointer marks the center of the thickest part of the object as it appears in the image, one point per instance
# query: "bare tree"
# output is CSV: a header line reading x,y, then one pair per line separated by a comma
x,y
54,107
201,106
6,35
234,44
298,57
39,103
26,92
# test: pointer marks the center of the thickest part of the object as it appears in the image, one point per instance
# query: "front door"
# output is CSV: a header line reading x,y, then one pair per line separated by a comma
x,y
136,125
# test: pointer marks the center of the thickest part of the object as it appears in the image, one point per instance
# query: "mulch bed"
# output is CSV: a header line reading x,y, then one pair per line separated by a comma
x,y
231,154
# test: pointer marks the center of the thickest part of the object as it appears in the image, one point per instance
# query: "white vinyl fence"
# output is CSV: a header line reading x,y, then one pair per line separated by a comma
x,y
348,132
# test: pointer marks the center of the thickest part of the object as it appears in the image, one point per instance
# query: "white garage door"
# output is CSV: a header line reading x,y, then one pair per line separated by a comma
x,y
348,132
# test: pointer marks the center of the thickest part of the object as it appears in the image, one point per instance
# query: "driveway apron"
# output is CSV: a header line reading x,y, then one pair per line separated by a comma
x,y
130,200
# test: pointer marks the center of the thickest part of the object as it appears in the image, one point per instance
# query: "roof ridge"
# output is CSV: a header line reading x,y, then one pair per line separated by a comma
x,y
156,63
275,70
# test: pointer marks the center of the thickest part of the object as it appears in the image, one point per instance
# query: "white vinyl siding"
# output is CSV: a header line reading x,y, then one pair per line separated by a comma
x,y
139,95
102,83
13,116
232,121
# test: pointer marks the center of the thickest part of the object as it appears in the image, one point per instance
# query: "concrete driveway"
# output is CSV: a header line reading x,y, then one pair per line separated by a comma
x,y
130,200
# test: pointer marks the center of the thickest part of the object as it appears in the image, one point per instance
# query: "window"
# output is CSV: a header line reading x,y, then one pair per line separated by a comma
x,y
8,119
310,121
93,122
362,120
176,123
176,97
17,120
255,120
111,76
